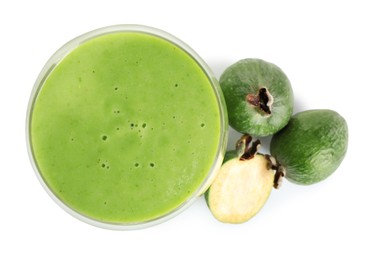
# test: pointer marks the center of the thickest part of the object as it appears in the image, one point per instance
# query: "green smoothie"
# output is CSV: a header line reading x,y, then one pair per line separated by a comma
x,y
125,128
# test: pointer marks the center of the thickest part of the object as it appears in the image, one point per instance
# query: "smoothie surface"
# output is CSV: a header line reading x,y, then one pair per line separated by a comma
x,y
125,128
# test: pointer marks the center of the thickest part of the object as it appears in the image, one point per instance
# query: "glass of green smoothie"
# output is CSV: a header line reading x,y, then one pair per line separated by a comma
x,y
126,127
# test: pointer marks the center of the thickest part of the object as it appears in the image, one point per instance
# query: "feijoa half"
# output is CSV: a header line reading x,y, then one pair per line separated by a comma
x,y
258,95
243,184
311,146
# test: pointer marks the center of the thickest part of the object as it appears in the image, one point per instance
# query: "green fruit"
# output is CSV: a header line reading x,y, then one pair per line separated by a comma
x,y
258,95
311,146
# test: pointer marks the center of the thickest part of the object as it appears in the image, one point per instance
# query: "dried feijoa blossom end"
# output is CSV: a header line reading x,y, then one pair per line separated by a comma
x,y
258,95
243,183
312,146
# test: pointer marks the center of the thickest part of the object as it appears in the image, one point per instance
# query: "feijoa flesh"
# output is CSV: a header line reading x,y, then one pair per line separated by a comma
x,y
311,146
258,96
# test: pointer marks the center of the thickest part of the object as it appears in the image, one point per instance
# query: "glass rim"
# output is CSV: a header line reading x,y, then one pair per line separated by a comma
x,y
73,44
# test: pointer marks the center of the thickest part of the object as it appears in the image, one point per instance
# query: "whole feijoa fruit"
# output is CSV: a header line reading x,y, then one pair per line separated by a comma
x,y
311,146
258,95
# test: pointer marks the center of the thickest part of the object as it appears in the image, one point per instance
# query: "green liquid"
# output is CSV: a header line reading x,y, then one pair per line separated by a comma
x,y
125,128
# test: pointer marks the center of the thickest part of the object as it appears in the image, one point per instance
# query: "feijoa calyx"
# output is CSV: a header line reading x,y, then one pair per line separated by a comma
x,y
311,146
242,185
258,96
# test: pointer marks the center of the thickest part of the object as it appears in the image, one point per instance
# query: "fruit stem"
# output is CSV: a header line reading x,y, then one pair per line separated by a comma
x,y
278,177
244,150
242,143
250,151
262,100
280,170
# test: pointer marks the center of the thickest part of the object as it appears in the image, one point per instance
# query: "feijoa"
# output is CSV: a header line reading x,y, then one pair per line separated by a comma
x,y
258,95
311,146
242,185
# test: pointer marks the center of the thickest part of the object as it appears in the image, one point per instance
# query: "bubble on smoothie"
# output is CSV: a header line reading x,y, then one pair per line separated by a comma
x,y
176,85
105,165
136,164
144,125
104,137
202,124
152,164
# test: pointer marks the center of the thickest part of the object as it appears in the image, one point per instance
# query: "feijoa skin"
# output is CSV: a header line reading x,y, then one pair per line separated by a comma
x,y
258,95
312,145
230,155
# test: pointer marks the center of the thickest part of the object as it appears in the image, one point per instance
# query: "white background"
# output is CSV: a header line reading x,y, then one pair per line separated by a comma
x,y
324,47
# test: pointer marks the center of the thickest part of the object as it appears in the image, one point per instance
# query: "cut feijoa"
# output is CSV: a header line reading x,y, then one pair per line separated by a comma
x,y
240,189
258,95
312,145
243,183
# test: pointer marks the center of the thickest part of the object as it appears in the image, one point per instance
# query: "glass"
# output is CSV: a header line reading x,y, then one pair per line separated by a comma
x,y
66,49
